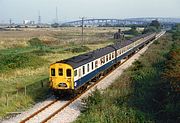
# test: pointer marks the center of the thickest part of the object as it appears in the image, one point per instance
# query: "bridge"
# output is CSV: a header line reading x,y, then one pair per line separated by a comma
x,y
101,22
122,22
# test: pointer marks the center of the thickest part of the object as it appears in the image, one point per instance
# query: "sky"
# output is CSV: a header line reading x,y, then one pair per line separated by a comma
x,y
19,10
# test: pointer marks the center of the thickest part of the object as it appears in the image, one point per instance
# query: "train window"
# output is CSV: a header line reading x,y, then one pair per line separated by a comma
x,y
96,64
68,72
83,69
112,55
60,72
106,58
102,60
75,73
109,56
53,72
79,72
92,65
88,68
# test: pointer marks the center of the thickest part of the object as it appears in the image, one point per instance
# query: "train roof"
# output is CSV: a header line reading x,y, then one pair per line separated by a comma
x,y
82,59
79,60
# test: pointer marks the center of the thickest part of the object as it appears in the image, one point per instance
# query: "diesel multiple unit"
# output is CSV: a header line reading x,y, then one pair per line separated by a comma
x,y
76,72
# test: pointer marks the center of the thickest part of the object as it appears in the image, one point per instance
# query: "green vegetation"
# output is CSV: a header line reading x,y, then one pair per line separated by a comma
x,y
77,49
16,50
144,92
132,31
176,32
22,60
172,72
19,58
154,26
35,42
17,88
21,95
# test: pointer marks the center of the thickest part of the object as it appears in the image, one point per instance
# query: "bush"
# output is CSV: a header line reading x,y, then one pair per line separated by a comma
x,y
93,100
36,42
156,42
154,26
22,60
78,49
172,72
42,51
132,31
176,35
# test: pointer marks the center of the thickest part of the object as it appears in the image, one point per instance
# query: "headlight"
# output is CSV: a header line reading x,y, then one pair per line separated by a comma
x,y
62,85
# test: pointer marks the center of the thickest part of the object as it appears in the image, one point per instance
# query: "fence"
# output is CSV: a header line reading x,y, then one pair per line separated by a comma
x,y
36,91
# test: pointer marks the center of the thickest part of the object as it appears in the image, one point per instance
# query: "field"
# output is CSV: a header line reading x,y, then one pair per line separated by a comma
x,y
25,56
61,36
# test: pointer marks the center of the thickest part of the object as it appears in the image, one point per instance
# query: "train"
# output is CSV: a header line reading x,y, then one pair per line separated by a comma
x,y
77,72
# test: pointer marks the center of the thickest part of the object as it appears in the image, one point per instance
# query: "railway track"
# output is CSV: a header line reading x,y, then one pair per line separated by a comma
x,y
39,116
49,111
37,112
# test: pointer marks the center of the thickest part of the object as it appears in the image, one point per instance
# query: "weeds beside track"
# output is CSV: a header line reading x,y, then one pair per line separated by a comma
x,y
139,95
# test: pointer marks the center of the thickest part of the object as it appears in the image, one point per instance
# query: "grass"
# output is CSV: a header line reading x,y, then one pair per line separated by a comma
x,y
19,99
139,95
16,50
25,57
22,60
61,36
78,49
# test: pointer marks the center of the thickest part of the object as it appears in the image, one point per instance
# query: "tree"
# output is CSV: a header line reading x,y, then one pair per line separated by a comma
x,y
176,32
150,29
176,27
133,27
55,25
132,31
154,26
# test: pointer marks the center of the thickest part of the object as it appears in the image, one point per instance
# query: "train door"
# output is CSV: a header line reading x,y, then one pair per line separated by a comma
x,y
80,73
116,55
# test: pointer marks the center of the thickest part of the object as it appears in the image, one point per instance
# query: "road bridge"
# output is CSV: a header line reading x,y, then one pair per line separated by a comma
x,y
101,22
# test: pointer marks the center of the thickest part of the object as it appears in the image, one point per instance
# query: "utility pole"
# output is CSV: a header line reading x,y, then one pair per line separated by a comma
x,y
39,18
124,25
10,22
82,33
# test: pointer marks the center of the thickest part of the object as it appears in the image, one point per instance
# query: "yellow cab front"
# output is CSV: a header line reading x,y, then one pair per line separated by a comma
x,y
61,76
